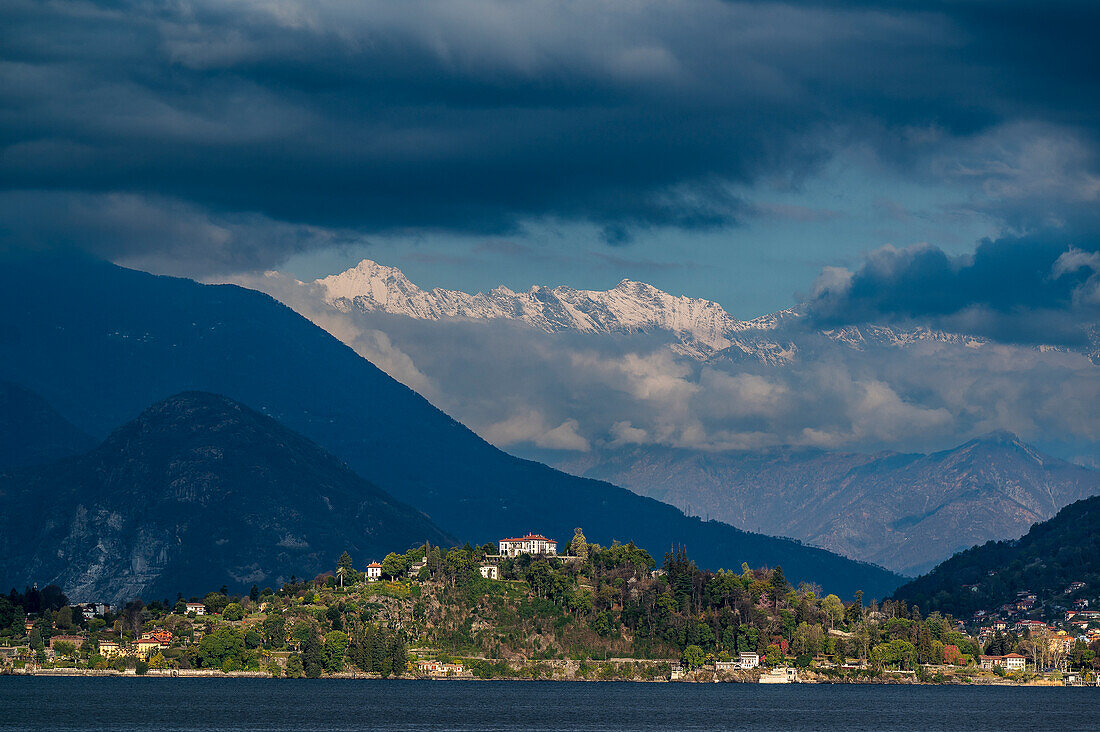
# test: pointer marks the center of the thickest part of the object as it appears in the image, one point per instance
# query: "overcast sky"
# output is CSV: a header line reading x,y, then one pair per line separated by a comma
x,y
886,159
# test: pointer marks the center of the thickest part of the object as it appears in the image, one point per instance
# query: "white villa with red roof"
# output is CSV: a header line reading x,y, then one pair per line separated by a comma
x,y
374,572
530,544
1011,662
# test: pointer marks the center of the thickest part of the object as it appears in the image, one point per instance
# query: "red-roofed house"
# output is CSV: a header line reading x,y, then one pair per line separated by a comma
x,y
374,572
430,667
530,544
160,635
1035,627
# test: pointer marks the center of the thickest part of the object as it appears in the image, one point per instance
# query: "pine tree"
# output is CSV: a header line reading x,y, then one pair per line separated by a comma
x,y
313,657
378,649
343,566
777,586
294,668
344,561
399,655
360,651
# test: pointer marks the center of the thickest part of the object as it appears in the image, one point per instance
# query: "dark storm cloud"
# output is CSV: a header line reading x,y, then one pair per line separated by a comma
x,y
149,232
477,114
1032,289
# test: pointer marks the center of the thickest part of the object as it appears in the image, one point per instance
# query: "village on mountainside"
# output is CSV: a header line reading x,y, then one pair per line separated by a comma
x,y
521,609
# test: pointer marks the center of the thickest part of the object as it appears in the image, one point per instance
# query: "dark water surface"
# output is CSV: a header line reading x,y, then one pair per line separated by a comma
x,y
74,703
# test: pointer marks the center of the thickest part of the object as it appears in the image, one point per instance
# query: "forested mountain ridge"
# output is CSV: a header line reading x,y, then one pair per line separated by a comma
x,y
1044,561
102,342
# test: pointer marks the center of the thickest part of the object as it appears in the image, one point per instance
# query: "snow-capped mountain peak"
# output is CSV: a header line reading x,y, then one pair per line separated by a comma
x,y
700,329
702,326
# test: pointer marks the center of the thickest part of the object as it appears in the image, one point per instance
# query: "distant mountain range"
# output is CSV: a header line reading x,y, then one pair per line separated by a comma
x,y
32,432
701,329
904,511
197,492
1045,561
101,343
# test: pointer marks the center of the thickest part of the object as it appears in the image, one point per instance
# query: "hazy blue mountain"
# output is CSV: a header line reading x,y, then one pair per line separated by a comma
x,y
197,492
101,342
904,511
31,431
1053,554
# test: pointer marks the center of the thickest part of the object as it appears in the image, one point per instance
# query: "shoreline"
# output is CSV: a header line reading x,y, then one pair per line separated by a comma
x,y
215,674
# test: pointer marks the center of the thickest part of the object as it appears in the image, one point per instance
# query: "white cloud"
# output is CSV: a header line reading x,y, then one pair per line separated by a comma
x,y
530,427
564,437
835,280
522,388
1073,260
625,433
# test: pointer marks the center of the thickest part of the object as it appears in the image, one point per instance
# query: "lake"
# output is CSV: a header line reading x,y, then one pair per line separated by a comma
x,y
75,703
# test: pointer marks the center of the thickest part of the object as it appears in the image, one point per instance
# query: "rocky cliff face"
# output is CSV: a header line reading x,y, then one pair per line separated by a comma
x,y
905,512
197,492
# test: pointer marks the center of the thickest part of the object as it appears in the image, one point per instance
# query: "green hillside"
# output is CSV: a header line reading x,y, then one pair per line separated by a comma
x,y
1045,561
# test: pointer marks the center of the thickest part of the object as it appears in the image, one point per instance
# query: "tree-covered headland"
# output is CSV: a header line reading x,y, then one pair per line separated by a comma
x,y
595,612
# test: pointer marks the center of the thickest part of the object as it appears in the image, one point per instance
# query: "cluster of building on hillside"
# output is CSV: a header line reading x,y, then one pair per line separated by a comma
x,y
147,645
91,610
144,647
1027,604
1054,639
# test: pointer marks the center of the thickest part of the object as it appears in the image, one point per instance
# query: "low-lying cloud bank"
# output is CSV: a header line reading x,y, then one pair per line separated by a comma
x,y
524,389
